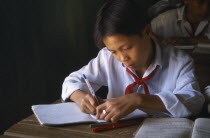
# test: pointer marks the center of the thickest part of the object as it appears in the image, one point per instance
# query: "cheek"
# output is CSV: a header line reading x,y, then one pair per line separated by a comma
x,y
136,54
117,57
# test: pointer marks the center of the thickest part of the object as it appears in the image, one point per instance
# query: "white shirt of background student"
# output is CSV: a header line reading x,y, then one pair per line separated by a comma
x,y
188,24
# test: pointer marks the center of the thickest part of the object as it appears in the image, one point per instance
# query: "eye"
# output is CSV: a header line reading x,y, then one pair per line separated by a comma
x,y
113,52
127,48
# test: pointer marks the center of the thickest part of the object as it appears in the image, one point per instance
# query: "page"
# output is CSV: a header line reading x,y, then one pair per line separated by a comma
x,y
135,114
201,128
165,128
62,113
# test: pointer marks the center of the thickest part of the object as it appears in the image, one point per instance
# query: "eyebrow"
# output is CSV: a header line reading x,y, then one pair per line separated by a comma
x,y
119,47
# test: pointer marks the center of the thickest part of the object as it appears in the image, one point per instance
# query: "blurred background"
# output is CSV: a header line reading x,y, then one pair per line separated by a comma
x,y
41,42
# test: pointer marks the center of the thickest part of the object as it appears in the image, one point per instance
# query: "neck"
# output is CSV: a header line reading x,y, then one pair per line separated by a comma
x,y
151,54
190,18
149,60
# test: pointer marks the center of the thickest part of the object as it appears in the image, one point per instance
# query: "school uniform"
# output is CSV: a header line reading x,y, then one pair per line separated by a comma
x,y
173,23
173,81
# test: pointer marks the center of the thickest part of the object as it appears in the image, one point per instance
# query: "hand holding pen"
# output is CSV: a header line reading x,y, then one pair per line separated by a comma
x,y
87,101
91,89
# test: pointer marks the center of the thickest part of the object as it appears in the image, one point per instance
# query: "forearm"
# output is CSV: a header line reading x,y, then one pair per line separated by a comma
x,y
150,102
77,96
189,40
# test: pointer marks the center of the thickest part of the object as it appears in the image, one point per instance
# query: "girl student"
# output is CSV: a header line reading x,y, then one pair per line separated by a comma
x,y
139,72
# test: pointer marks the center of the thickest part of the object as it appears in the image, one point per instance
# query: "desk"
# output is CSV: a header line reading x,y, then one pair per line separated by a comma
x,y
202,67
30,127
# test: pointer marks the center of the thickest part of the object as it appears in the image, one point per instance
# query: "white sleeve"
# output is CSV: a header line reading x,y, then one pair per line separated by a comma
x,y
186,99
95,71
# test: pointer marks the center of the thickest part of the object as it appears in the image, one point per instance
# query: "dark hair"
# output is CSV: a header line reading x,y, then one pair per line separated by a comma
x,y
120,17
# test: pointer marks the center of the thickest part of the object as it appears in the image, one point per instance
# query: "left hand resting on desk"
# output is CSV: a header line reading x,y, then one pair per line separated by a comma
x,y
118,107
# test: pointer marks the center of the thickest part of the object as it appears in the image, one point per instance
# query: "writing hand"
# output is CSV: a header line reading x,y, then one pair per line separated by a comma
x,y
86,101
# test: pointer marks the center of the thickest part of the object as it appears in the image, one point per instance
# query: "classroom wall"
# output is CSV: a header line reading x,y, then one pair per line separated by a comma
x,y
41,42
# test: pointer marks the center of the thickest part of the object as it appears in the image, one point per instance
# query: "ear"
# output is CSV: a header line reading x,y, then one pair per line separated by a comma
x,y
147,30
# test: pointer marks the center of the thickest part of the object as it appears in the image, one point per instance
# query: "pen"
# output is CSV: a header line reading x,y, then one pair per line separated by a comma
x,y
117,125
119,122
90,88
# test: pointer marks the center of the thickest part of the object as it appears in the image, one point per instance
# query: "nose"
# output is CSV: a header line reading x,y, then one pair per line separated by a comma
x,y
123,57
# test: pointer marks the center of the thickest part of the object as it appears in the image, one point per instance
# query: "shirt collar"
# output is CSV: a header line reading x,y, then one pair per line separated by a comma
x,y
156,61
180,13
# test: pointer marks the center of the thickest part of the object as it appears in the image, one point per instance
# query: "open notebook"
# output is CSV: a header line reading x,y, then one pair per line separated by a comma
x,y
69,113
174,128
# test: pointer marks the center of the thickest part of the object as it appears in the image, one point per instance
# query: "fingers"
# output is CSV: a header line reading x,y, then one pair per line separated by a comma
x,y
92,100
109,115
88,104
115,118
99,111
112,117
88,110
115,108
100,100
171,41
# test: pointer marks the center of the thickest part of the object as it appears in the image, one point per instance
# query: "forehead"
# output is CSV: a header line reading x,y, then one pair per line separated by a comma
x,y
115,38
116,41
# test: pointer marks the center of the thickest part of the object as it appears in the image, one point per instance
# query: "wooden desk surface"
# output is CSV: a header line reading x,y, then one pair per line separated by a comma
x,y
30,127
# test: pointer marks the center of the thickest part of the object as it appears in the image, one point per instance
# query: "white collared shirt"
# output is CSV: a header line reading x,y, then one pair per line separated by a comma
x,y
174,81
172,23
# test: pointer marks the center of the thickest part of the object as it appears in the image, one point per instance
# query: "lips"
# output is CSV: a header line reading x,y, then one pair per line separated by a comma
x,y
130,66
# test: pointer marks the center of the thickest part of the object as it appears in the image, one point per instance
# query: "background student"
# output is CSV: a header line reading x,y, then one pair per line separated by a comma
x,y
140,73
188,24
